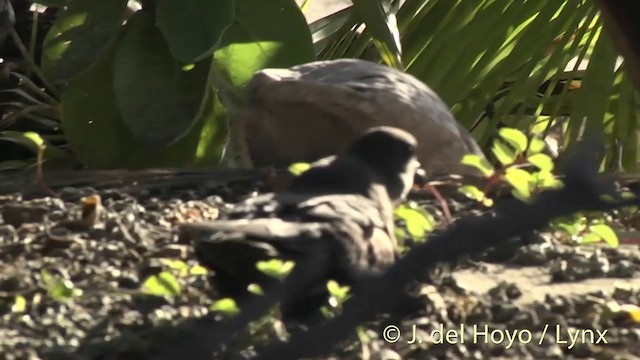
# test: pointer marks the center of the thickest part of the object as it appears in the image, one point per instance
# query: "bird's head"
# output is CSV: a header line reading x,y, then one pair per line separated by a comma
x,y
390,153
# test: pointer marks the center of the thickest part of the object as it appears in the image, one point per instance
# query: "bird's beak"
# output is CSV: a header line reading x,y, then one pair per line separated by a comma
x,y
420,178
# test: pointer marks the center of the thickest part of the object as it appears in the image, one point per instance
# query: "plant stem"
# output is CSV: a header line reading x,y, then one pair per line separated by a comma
x,y
33,66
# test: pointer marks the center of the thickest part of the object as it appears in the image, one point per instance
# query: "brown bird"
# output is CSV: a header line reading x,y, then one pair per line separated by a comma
x,y
335,221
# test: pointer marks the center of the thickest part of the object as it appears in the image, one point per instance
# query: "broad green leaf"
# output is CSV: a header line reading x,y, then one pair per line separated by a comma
x,y
193,27
264,34
19,304
338,294
589,238
162,284
536,146
605,233
473,192
515,138
22,139
59,289
520,180
546,180
542,161
158,97
275,268
502,152
32,141
173,264
255,289
418,221
298,168
81,33
198,270
478,162
99,138
226,306
336,289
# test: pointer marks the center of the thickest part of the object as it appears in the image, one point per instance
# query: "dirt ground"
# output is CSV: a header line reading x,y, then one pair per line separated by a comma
x,y
544,286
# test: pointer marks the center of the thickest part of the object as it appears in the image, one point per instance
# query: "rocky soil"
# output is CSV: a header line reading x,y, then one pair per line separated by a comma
x,y
74,289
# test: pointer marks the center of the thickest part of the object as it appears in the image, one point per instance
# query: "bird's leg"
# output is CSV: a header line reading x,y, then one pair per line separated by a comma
x,y
441,201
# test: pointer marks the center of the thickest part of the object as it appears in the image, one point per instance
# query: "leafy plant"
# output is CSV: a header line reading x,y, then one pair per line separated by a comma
x,y
225,306
276,268
515,153
338,294
134,94
588,229
59,289
162,284
541,59
182,269
417,222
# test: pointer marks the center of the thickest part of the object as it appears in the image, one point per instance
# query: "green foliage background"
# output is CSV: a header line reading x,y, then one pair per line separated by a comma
x,y
154,87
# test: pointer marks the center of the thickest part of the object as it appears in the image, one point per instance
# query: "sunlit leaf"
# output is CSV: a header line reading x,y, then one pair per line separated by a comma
x,y
19,304
255,289
418,221
162,284
338,294
478,162
536,146
514,137
275,268
59,289
226,306
298,168
520,180
198,270
542,161
473,192
502,152
605,233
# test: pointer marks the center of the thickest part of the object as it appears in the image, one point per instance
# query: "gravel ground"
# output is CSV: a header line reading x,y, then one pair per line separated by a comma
x,y
543,294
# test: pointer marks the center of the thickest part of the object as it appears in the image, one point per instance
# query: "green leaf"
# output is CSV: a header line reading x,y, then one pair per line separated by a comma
x,y
19,304
159,100
536,146
173,264
193,27
226,306
162,284
605,233
520,180
338,294
542,161
275,268
59,289
589,238
418,221
81,33
255,289
22,139
514,137
198,270
478,162
99,138
502,152
546,180
298,168
474,193
264,34
382,26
